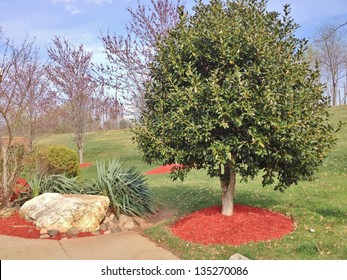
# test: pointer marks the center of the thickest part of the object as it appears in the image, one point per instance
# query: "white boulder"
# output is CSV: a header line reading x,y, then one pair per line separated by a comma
x,y
53,211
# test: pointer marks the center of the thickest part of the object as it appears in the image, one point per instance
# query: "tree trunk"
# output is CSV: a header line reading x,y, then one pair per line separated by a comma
x,y
31,136
228,182
80,153
334,94
78,138
5,175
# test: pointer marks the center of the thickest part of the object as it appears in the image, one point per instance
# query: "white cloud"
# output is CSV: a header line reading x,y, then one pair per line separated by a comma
x,y
72,9
100,1
81,1
73,6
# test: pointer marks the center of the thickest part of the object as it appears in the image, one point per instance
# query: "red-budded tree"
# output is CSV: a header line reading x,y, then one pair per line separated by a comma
x,y
70,72
129,56
19,67
41,101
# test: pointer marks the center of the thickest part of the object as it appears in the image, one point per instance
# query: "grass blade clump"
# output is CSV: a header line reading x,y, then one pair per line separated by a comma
x,y
60,184
126,188
49,184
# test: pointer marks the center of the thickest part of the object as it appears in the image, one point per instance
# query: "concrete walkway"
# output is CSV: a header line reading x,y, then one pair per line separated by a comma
x,y
117,246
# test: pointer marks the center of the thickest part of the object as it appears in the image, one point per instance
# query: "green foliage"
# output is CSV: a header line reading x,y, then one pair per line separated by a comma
x,y
230,86
60,184
49,160
35,187
126,189
49,184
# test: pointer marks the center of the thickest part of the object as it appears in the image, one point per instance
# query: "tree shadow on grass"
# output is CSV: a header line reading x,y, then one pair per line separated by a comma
x,y
331,212
256,199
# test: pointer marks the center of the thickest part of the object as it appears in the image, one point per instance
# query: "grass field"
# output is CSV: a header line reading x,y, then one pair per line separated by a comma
x,y
319,207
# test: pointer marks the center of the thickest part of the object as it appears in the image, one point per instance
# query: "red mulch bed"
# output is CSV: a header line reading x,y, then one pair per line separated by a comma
x,y
86,164
18,226
163,169
207,226
247,224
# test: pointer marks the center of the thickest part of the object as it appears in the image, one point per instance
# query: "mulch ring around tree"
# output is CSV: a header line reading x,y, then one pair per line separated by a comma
x,y
164,169
247,224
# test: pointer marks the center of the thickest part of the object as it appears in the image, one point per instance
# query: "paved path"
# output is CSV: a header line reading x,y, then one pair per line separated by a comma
x,y
117,246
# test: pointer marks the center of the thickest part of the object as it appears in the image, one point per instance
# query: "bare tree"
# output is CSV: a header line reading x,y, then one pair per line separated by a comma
x,y
331,52
41,101
107,111
19,64
129,56
70,72
334,30
54,119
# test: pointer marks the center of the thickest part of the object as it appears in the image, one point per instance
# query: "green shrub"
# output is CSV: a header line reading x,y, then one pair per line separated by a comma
x,y
126,188
52,160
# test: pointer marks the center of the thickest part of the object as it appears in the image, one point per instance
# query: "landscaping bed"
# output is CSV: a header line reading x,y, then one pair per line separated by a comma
x,y
247,224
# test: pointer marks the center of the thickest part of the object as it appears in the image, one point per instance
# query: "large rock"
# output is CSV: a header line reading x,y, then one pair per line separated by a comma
x,y
126,223
53,211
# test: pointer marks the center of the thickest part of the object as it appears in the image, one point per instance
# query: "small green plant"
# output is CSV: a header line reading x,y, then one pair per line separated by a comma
x,y
35,186
60,184
52,160
126,188
50,183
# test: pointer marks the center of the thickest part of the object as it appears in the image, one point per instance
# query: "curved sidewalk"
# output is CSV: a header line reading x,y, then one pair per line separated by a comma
x,y
117,246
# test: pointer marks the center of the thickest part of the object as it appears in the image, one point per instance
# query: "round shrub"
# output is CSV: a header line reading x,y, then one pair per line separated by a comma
x,y
50,160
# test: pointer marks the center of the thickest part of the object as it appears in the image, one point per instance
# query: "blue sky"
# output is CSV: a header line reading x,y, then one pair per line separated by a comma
x,y
82,20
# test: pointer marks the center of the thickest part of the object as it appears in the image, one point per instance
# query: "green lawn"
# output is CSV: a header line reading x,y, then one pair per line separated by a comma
x,y
320,204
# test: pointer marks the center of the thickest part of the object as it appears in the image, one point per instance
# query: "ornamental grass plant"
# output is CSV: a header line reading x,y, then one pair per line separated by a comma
x,y
125,187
